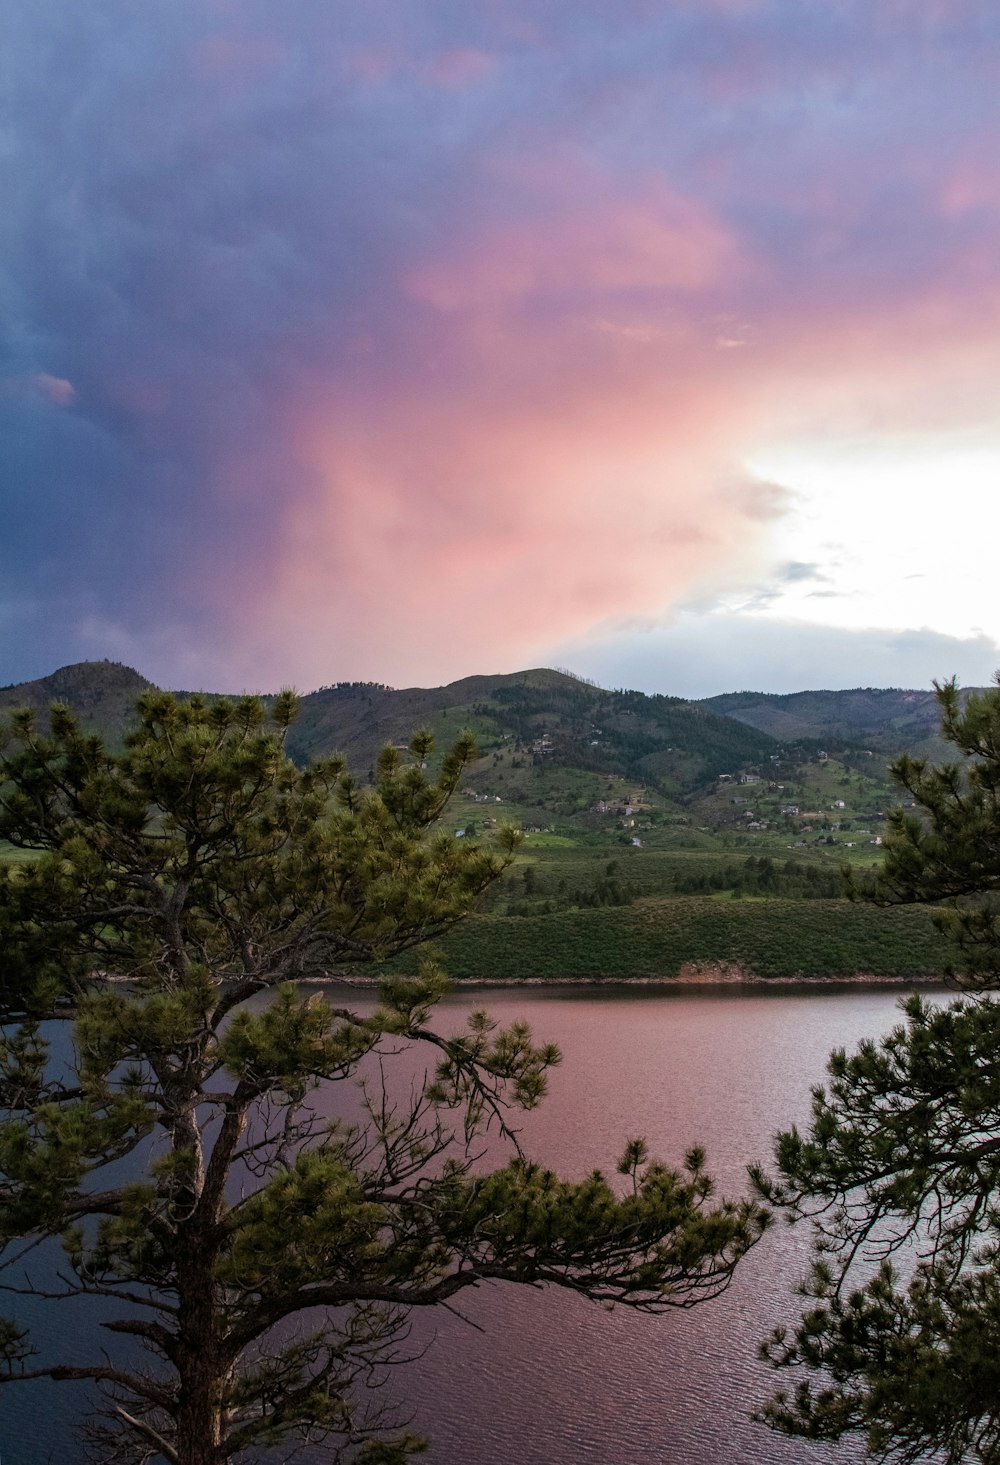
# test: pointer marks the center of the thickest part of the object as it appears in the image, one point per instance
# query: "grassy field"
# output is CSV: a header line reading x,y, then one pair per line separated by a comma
x,y
657,937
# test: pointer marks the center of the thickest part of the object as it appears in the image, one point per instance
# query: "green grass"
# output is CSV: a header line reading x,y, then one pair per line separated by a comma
x,y
549,841
657,937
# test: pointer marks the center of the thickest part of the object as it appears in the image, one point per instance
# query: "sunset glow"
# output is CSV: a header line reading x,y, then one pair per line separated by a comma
x,y
410,342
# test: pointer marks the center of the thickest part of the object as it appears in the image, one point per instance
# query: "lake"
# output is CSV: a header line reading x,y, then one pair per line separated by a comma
x,y
541,1378
546,1379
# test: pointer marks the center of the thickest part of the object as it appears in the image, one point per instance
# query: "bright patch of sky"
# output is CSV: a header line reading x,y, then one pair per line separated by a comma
x,y
886,533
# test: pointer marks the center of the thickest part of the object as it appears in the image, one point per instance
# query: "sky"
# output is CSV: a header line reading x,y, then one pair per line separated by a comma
x,y
401,341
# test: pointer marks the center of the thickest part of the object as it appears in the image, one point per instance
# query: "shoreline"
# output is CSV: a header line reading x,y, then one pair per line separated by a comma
x,y
691,975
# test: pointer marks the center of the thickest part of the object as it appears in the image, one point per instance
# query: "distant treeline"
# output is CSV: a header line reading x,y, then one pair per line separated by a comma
x,y
530,892
760,875
533,890
355,687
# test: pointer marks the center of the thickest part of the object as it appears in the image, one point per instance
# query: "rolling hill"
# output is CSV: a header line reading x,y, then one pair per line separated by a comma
x,y
526,724
549,739
724,822
889,720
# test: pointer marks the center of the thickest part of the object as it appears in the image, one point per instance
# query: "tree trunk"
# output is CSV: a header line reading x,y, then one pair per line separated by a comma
x,y
202,1381
200,1362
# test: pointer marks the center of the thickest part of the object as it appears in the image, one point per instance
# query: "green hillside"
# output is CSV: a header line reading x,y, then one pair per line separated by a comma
x,y
573,761
887,720
534,718
659,832
658,938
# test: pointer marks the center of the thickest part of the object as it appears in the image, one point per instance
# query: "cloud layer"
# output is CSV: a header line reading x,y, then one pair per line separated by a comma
x,y
406,340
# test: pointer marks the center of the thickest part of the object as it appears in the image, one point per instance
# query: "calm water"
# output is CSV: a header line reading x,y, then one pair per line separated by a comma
x,y
542,1378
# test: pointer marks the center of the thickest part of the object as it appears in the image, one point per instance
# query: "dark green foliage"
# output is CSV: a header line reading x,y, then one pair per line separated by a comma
x,y
541,890
949,852
200,843
637,731
767,877
900,1166
266,1260
556,880
879,718
656,938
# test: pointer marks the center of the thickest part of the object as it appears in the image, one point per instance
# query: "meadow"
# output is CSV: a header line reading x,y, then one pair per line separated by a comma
x,y
659,937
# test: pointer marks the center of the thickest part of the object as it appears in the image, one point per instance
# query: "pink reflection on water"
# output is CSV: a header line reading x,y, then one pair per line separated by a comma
x,y
537,1378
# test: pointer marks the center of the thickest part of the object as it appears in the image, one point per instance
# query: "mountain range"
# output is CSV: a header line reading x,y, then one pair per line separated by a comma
x,y
549,739
660,832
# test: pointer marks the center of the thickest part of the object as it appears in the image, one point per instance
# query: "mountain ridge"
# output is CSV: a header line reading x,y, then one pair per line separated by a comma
x,y
531,723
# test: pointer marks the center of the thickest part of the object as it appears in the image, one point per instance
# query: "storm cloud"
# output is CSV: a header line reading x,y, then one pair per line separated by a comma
x,y
412,339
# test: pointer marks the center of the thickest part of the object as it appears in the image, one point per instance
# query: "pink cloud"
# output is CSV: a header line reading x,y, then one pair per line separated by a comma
x,y
56,388
560,440
972,183
656,241
372,65
557,467
460,524
455,69
456,536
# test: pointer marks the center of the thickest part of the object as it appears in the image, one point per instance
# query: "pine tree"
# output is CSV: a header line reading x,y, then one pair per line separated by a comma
x,y
900,1168
258,1261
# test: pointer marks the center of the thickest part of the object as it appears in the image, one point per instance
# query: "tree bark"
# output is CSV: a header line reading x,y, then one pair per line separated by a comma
x,y
200,1364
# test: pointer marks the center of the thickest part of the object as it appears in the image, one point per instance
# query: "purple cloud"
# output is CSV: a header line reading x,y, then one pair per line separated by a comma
x,y
233,232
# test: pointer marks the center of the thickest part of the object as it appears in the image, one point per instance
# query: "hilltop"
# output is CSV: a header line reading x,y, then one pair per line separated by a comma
x,y
101,693
544,737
